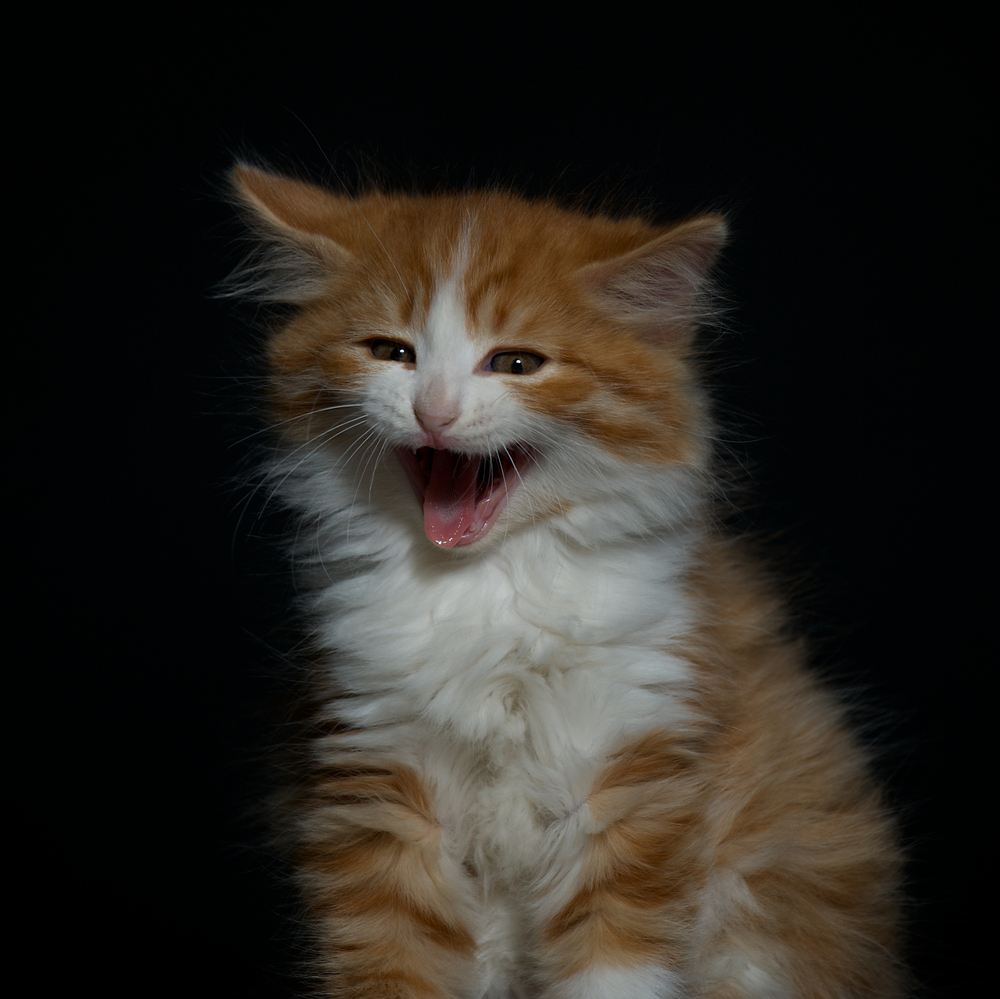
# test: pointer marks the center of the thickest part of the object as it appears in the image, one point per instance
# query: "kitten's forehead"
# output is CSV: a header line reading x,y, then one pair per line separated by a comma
x,y
448,334
445,335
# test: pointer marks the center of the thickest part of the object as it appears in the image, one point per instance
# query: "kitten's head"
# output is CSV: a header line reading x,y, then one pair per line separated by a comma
x,y
475,360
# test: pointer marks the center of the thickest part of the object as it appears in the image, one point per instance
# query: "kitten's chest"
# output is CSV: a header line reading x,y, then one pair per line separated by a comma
x,y
512,690
512,796
502,830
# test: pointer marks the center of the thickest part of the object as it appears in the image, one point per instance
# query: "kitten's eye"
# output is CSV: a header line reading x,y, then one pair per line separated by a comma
x,y
516,362
391,350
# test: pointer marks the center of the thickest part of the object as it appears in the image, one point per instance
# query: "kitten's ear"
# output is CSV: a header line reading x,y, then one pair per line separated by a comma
x,y
660,287
292,220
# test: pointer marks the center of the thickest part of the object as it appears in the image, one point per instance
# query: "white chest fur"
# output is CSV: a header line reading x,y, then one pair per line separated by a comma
x,y
507,680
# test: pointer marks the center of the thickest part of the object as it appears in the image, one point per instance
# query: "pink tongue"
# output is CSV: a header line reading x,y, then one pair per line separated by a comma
x,y
450,499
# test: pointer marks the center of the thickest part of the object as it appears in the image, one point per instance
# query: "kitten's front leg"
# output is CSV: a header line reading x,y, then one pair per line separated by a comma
x,y
388,924
625,929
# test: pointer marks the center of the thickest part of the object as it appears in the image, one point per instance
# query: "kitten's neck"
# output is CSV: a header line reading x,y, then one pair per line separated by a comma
x,y
600,593
432,642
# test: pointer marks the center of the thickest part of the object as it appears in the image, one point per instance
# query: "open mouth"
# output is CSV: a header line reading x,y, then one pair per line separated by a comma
x,y
462,494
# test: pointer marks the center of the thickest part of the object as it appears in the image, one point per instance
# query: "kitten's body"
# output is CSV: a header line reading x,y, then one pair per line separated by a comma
x,y
563,748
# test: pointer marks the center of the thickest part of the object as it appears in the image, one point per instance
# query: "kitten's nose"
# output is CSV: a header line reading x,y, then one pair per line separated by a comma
x,y
434,422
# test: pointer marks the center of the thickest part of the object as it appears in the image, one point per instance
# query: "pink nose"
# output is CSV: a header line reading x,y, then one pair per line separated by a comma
x,y
434,422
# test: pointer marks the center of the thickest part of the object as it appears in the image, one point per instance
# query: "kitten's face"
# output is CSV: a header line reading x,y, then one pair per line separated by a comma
x,y
494,353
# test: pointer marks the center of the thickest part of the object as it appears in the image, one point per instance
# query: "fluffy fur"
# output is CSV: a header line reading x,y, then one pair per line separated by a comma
x,y
562,747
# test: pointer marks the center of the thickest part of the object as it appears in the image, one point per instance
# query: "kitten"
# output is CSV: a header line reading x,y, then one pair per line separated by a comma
x,y
562,747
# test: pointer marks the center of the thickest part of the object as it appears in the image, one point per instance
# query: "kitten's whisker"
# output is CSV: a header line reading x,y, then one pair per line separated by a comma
x,y
383,448
315,444
276,485
520,478
273,427
362,442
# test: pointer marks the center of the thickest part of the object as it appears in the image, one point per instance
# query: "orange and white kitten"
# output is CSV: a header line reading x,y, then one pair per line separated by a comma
x,y
562,747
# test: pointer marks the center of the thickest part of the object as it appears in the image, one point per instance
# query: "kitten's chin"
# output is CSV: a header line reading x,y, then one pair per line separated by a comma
x,y
462,495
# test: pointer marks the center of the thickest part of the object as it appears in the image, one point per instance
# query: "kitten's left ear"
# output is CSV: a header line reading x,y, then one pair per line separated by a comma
x,y
660,286
293,221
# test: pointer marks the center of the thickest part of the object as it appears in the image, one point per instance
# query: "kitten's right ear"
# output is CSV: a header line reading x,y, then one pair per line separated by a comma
x,y
660,287
288,217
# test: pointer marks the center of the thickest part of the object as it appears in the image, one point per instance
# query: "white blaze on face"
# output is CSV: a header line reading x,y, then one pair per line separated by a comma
x,y
446,355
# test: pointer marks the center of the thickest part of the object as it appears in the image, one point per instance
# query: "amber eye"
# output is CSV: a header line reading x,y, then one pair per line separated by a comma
x,y
391,350
516,362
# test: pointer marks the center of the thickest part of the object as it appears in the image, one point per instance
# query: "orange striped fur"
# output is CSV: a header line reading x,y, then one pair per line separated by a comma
x,y
564,748
373,882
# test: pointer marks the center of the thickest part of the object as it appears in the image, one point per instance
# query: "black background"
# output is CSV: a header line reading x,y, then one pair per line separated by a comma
x,y
849,157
